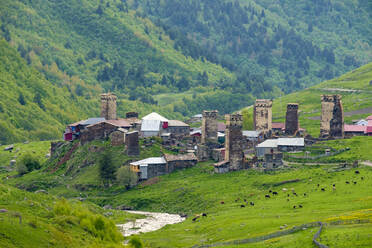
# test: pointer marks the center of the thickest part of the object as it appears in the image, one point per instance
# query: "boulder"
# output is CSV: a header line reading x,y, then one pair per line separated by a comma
x,y
107,207
47,155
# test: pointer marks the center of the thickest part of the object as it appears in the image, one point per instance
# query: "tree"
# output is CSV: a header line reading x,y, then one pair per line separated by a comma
x,y
126,177
99,10
37,100
107,168
136,242
27,164
21,99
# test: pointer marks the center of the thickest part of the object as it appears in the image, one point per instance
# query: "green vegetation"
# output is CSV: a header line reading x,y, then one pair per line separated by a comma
x,y
354,87
40,220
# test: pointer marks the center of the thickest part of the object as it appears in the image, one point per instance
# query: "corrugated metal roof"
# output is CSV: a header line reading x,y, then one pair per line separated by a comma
x,y
177,123
251,134
273,143
291,142
152,160
198,116
354,128
92,121
150,125
155,116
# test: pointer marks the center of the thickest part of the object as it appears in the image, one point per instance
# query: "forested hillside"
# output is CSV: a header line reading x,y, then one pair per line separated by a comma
x,y
289,43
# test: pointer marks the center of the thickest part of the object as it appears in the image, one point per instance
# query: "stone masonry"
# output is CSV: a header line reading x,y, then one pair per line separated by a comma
x,y
132,143
233,141
262,115
291,119
209,126
108,106
332,119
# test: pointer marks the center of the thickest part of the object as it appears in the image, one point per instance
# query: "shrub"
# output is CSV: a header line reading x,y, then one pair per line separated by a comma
x,y
136,242
21,169
62,207
126,177
27,164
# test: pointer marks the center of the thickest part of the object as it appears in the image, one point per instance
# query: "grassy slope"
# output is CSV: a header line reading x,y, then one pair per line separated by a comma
x,y
44,226
310,102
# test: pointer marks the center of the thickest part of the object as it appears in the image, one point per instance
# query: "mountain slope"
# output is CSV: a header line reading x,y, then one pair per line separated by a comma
x,y
355,88
293,44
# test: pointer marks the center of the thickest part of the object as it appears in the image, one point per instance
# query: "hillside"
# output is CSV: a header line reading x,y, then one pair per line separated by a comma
x,y
356,91
292,44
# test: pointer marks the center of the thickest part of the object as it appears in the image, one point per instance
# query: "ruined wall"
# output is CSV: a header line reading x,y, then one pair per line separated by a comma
x,y
332,119
209,126
262,115
132,143
108,106
291,119
233,141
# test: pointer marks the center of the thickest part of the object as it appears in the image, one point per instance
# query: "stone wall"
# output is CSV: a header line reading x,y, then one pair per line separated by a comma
x,y
108,106
117,138
209,126
291,120
132,143
98,131
332,119
233,141
262,115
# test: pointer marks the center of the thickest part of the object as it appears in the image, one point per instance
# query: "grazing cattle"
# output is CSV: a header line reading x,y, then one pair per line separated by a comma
x,y
347,182
275,193
300,206
245,200
355,183
334,185
318,185
252,203
204,215
333,188
304,194
294,206
270,191
287,199
323,189
295,193
284,189
288,195
267,196
242,206
195,218
222,202
362,178
357,172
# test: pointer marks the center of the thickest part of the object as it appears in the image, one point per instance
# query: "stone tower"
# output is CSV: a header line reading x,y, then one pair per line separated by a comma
x,y
262,115
108,106
209,126
332,120
291,119
234,141
132,143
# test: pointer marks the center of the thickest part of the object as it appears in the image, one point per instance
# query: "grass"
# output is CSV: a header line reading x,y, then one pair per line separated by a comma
x,y
198,190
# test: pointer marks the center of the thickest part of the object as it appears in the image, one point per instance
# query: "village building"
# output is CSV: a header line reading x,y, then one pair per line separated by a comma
x,y
108,106
118,137
273,160
153,124
178,128
74,130
149,167
218,154
132,143
98,131
209,126
221,167
262,115
181,161
252,136
278,127
369,128
332,118
281,144
291,120
196,118
354,130
233,144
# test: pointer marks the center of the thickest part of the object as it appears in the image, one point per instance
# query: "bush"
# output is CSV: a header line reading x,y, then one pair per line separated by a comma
x,y
107,168
136,242
27,164
126,177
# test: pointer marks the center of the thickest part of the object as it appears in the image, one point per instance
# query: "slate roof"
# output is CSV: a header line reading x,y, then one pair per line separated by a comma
x,y
180,157
92,121
177,123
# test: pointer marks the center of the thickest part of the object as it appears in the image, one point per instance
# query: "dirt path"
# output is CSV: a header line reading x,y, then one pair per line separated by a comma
x,y
367,163
152,222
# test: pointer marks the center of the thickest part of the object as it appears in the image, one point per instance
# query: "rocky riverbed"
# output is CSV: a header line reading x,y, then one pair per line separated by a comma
x,y
152,222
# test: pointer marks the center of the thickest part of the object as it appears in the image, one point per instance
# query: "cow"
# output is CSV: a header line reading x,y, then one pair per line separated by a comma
x,y
195,218
204,214
222,202
355,183
347,182
252,203
242,206
357,172
267,196
300,206
275,193
323,189
304,194
294,206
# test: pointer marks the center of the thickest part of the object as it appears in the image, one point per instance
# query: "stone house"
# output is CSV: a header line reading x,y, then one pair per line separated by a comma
x,y
149,167
282,144
181,161
178,128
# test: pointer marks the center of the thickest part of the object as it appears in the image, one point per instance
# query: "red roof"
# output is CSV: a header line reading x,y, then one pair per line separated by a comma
x,y
369,118
369,127
354,128
278,125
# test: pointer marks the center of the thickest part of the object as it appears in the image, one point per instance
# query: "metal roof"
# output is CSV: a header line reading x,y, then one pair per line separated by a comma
x,y
152,160
155,116
273,143
251,134
198,116
150,125
354,128
92,121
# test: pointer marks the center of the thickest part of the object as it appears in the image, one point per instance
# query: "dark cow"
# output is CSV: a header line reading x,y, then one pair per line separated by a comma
x,y
195,218
294,193
355,183
357,172
294,206
242,206
323,189
300,206
267,196
270,191
275,193
347,182
304,194
222,202
204,214
252,203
